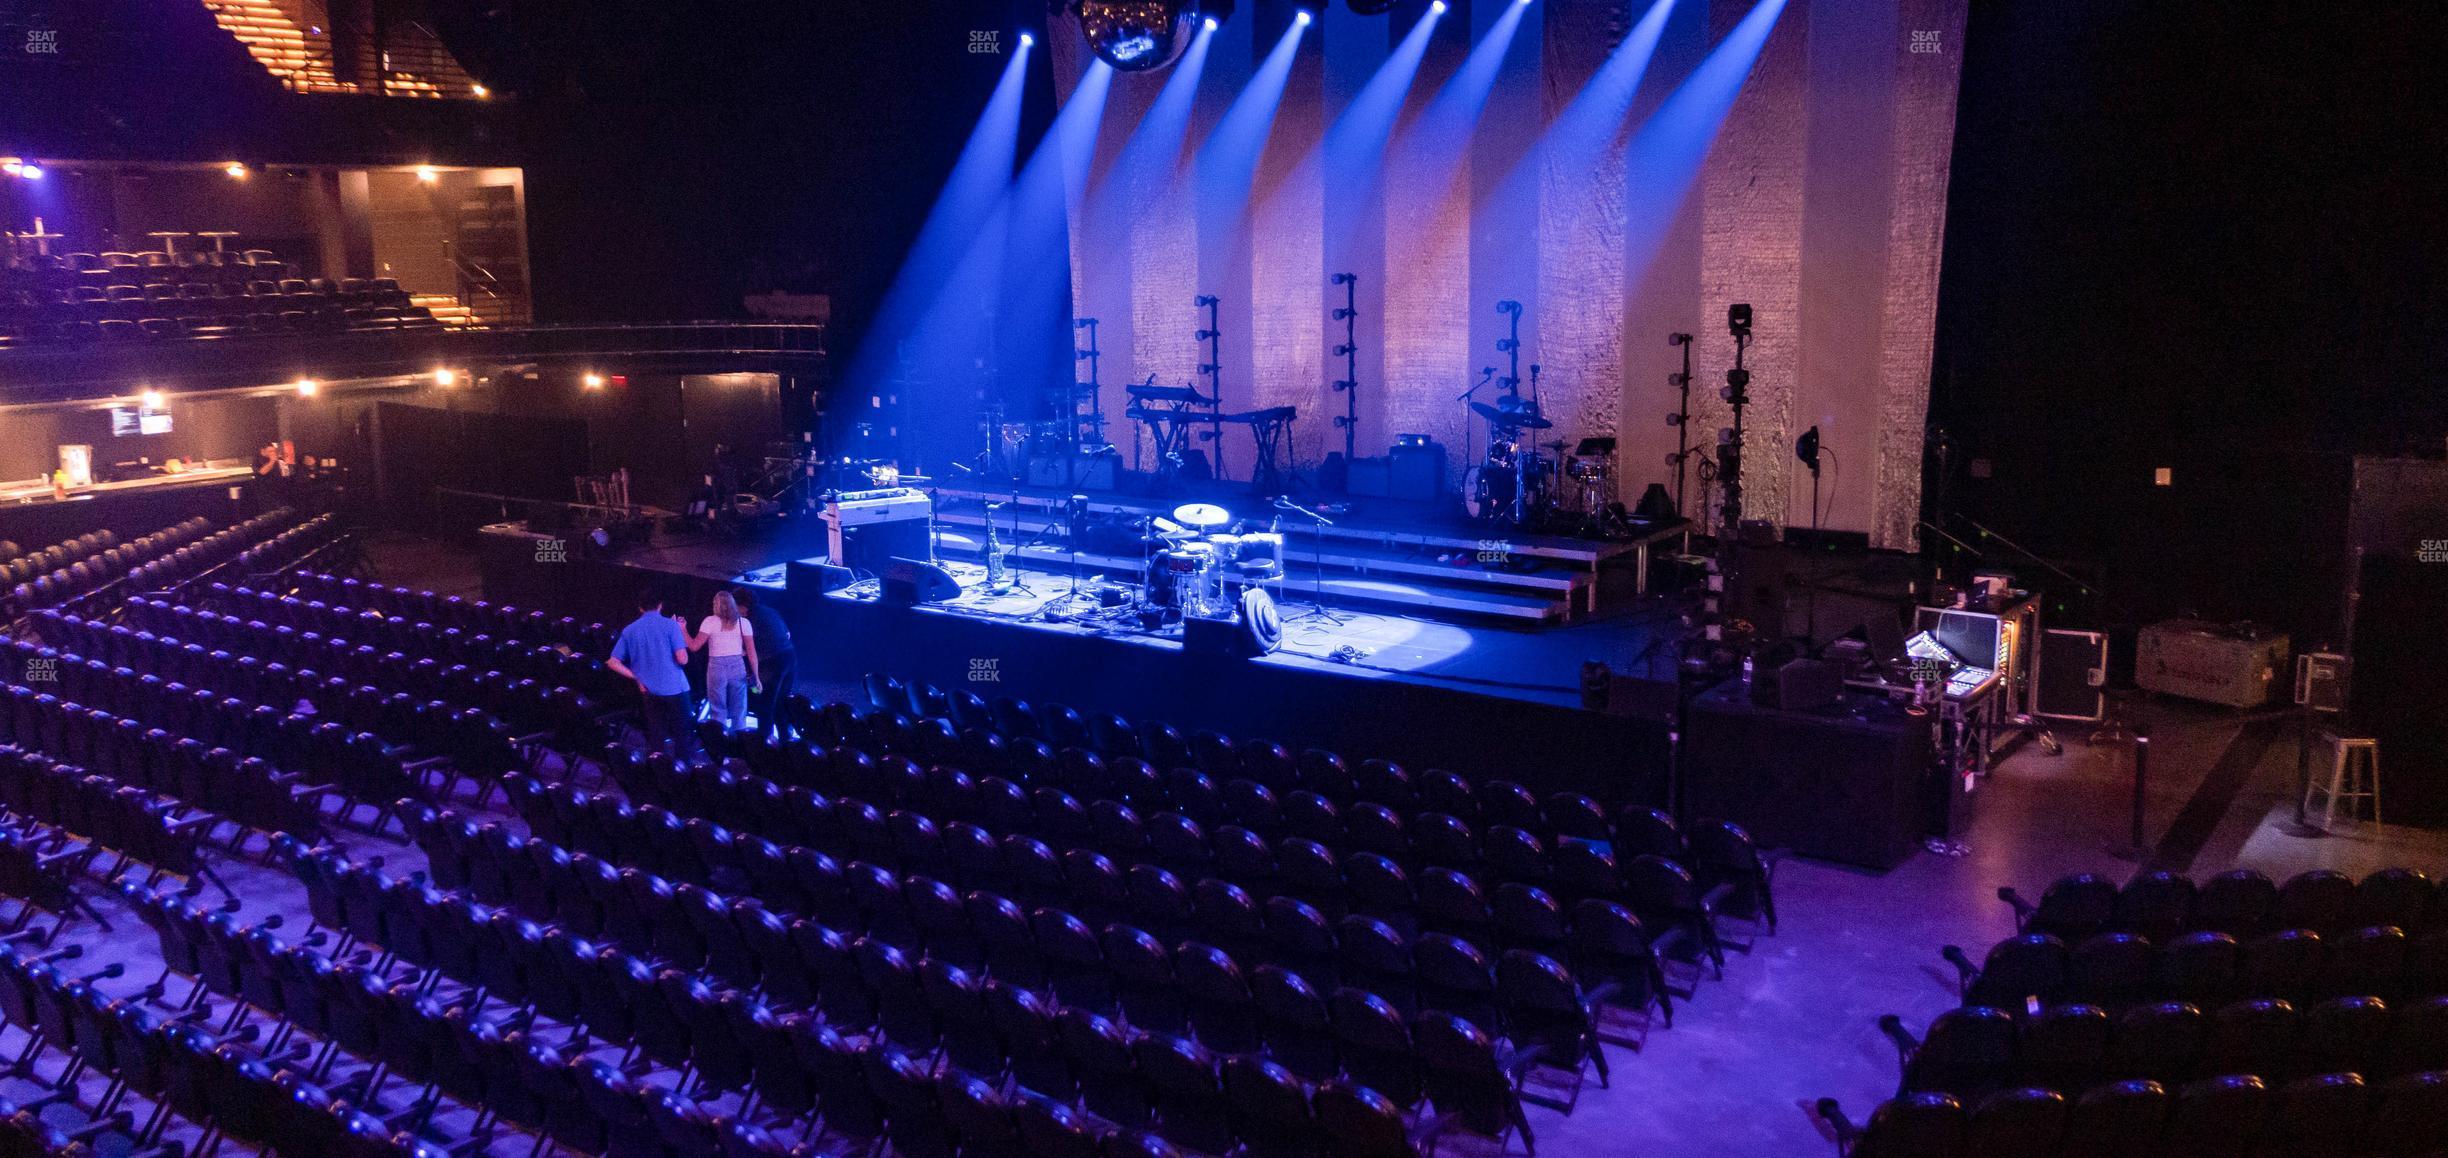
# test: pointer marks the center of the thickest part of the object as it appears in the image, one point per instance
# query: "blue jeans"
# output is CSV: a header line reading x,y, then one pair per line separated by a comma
x,y
727,690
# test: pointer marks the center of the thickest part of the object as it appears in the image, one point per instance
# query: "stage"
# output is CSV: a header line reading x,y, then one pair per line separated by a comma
x,y
1482,698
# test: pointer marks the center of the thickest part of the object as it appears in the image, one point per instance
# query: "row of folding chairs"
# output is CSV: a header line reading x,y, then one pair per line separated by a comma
x,y
798,879
144,829
304,754
420,727
501,620
1303,844
18,564
2243,902
249,790
868,988
1969,1052
65,571
2230,1116
1721,854
419,639
1194,987
2205,967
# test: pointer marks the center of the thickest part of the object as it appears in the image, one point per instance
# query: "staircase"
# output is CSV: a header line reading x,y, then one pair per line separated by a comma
x,y
407,59
445,309
279,45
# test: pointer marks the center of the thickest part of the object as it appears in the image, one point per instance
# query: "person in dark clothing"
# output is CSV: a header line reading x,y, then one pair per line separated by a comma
x,y
780,664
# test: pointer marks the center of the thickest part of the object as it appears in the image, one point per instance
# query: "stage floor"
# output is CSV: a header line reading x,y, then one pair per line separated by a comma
x,y
1533,665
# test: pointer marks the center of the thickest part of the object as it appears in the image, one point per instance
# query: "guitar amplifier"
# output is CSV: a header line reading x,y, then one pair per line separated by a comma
x,y
2210,662
1415,469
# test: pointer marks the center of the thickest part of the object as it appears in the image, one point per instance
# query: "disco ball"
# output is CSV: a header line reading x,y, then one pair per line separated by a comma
x,y
1139,35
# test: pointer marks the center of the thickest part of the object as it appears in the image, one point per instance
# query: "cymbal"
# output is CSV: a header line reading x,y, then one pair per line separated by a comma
x,y
1201,516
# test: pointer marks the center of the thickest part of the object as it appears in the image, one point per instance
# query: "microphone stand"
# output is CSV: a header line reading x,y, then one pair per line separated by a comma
x,y
1487,374
1317,561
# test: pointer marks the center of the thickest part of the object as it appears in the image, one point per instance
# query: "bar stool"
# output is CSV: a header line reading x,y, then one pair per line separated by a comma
x,y
2354,774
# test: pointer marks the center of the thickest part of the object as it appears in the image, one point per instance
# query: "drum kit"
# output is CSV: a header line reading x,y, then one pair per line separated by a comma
x,y
1528,484
1199,569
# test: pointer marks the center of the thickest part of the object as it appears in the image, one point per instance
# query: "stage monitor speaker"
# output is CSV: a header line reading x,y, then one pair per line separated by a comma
x,y
1254,631
908,581
813,576
2073,668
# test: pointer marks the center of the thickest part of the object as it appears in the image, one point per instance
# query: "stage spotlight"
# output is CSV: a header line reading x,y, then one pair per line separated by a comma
x,y
30,171
1028,40
306,387
1139,35
12,165
1302,17
592,382
479,91
1371,7
428,174
1438,8
446,377
237,171
153,399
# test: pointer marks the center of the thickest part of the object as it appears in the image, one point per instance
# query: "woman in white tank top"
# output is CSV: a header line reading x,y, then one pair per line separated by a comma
x,y
729,641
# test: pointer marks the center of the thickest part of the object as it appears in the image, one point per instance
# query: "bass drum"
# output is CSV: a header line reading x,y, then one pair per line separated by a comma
x,y
1487,492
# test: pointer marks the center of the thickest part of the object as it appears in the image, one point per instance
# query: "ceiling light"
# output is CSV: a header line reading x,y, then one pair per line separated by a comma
x,y
428,174
592,381
306,387
236,171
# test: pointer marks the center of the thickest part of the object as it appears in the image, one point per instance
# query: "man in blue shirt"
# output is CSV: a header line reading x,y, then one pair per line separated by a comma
x,y
653,650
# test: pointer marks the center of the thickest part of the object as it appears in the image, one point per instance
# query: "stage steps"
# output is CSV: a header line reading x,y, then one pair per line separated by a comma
x,y
1344,572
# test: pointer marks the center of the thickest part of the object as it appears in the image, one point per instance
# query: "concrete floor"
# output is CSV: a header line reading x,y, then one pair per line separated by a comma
x,y
1794,1018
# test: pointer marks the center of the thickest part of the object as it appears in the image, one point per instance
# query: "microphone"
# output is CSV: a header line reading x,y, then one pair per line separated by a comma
x,y
1678,339
1205,300
1806,448
1083,323
1344,279
1508,307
